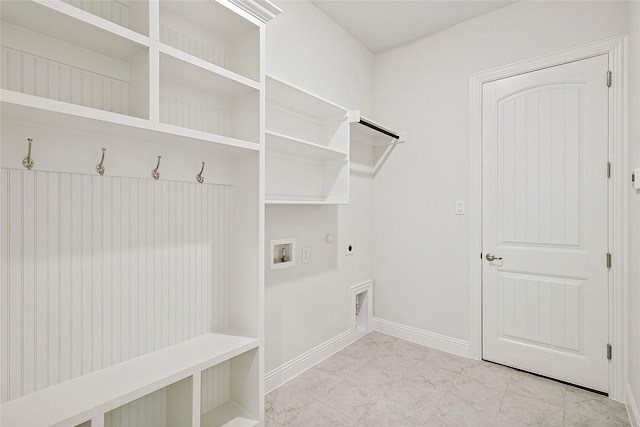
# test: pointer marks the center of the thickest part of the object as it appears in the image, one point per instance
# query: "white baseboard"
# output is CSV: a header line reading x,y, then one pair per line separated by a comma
x,y
283,373
426,338
632,408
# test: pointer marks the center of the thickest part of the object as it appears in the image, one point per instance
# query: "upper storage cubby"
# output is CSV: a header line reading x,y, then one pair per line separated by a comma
x,y
131,14
207,101
213,33
46,52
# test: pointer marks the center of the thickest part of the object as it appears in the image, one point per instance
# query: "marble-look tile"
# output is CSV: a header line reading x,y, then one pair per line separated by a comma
x,y
516,409
476,394
537,388
317,414
383,381
417,398
386,413
488,374
371,376
453,411
268,421
314,382
584,408
428,373
340,365
361,351
352,399
284,403
393,362
451,362
413,351
377,343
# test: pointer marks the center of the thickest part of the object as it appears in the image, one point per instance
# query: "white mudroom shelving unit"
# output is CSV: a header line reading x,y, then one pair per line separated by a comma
x,y
307,147
129,300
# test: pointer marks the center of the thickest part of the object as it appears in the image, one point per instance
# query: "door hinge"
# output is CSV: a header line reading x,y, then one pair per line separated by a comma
x,y
608,260
608,351
608,169
609,78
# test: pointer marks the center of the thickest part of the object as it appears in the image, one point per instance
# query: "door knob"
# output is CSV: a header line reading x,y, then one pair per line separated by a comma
x,y
492,257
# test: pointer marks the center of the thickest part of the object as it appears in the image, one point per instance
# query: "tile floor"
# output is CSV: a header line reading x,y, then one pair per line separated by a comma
x,y
384,381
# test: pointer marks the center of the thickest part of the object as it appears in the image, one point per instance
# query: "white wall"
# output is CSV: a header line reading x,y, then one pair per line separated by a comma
x,y
634,213
306,305
421,251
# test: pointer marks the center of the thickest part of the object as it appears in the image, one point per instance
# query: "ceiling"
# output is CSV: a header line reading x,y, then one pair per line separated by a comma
x,y
384,24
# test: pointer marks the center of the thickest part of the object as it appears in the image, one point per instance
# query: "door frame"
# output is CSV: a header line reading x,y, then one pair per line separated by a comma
x,y
616,48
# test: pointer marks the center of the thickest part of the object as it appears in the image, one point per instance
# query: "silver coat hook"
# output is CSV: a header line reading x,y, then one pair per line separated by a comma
x,y
154,173
100,167
199,177
28,162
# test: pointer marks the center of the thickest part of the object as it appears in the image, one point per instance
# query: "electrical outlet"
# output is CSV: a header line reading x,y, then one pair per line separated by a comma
x,y
305,255
350,249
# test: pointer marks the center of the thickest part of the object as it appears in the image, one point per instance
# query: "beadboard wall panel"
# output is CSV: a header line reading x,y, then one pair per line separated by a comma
x,y
112,10
149,410
215,387
99,270
39,76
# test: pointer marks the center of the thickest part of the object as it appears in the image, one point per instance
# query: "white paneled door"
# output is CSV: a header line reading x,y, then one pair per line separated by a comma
x,y
545,204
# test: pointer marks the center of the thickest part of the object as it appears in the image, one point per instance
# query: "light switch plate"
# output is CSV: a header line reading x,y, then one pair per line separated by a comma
x,y
459,207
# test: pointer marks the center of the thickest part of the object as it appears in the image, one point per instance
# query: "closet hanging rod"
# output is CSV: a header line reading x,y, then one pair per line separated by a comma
x,y
375,127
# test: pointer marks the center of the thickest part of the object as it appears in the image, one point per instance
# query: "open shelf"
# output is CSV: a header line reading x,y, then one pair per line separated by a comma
x,y
20,107
299,114
307,147
298,148
61,20
212,32
71,61
131,14
229,392
207,102
76,401
299,180
170,406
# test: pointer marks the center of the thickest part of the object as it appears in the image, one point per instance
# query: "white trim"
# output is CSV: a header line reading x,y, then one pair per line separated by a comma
x,y
632,408
616,49
420,336
264,10
287,371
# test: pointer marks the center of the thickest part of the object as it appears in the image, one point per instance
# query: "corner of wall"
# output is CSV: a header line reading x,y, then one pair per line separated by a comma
x,y
632,407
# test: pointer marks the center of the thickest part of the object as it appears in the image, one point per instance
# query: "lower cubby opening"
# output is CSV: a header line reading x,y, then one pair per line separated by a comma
x,y
229,392
169,406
